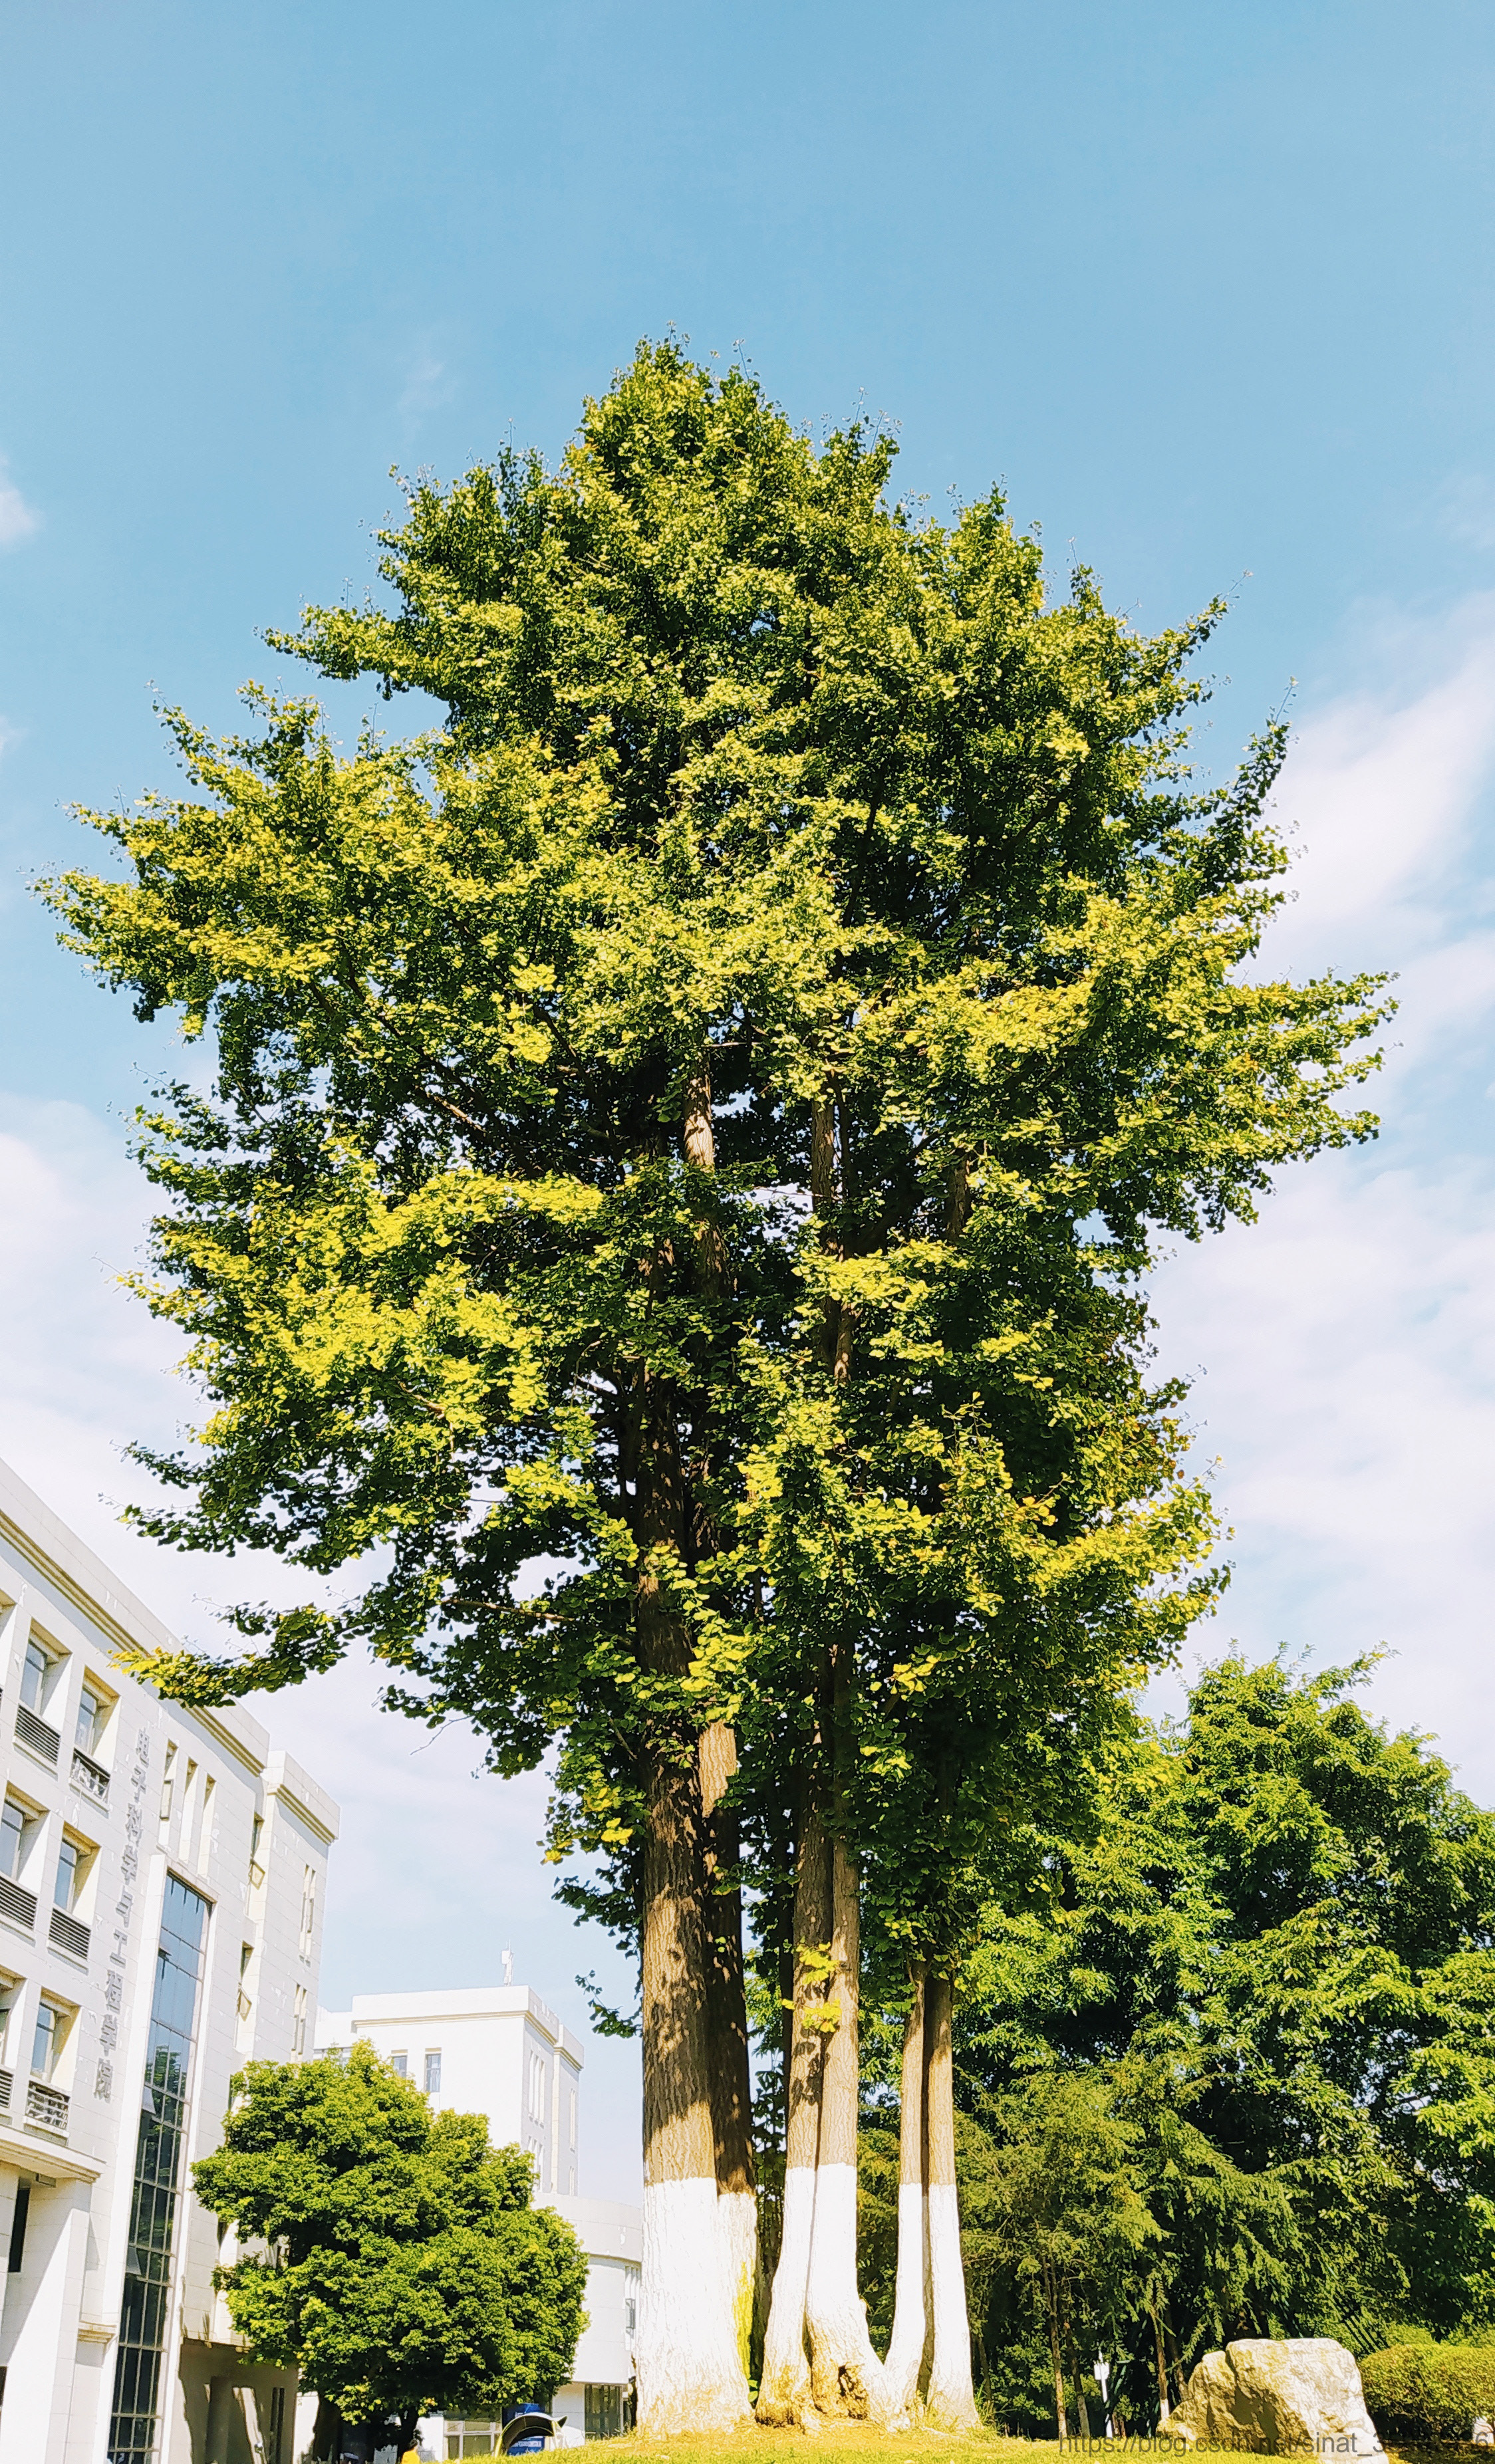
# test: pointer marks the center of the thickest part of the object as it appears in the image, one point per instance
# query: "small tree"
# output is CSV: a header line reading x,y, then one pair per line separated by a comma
x,y
407,2271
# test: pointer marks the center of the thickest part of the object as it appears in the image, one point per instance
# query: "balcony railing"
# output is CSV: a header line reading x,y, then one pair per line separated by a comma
x,y
68,1935
46,2107
90,1778
5,2091
19,1905
35,1734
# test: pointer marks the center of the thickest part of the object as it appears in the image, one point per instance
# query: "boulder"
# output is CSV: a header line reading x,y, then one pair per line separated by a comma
x,y
1299,2396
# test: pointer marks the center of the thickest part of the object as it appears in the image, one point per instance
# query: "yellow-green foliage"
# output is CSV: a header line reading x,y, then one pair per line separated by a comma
x,y
1428,2392
751,789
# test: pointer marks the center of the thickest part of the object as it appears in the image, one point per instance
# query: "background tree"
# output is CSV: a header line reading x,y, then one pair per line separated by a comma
x,y
1267,1971
694,1121
406,2271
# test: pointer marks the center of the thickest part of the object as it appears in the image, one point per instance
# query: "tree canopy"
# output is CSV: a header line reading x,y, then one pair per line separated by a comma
x,y
687,1135
406,2271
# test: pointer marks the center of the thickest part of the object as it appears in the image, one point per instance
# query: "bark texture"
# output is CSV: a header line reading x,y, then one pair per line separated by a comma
x,y
691,2375
731,2082
911,2317
951,2397
784,2389
847,2376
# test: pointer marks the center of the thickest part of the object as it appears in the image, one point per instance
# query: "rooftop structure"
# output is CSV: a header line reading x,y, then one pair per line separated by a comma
x,y
500,2051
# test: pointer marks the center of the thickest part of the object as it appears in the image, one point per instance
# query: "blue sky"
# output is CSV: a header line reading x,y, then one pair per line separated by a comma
x,y
1208,290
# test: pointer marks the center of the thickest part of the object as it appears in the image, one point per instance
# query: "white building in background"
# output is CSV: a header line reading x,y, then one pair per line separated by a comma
x,y
162,1885
500,2051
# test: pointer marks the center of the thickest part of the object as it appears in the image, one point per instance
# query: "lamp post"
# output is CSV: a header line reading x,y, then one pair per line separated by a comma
x,y
1102,2371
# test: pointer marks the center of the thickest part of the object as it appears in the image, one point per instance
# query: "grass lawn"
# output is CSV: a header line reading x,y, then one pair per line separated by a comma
x,y
858,2444
855,2443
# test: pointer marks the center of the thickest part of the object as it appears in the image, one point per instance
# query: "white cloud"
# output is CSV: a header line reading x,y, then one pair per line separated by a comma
x,y
17,519
1344,1346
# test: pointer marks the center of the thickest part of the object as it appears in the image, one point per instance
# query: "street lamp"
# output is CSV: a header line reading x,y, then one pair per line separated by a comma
x,y
1102,2371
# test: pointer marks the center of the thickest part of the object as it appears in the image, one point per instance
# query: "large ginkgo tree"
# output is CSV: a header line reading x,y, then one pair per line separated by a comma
x,y
686,1131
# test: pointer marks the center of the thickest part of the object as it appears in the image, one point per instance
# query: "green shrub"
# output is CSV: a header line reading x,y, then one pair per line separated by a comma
x,y
1428,2392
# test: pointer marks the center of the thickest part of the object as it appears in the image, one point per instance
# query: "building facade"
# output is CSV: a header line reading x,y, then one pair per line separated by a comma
x,y
162,1887
501,2051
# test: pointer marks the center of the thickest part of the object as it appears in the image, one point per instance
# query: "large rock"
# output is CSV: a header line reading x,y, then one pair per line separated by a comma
x,y
1300,2396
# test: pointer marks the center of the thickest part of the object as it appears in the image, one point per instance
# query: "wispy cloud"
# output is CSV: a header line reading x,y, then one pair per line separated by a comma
x,y
17,519
1344,1346
427,386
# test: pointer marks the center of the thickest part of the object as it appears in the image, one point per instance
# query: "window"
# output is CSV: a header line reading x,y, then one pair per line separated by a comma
x,y
298,2021
70,1873
433,2073
472,2438
604,2412
12,1837
7,1994
47,2043
308,1910
536,2087
400,2064
35,1675
246,1960
168,1783
630,2316
257,1834
275,2436
93,1710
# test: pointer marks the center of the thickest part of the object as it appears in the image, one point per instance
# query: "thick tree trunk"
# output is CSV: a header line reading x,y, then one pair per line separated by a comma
x,y
911,2315
952,2398
784,2389
691,2375
730,2080
846,2373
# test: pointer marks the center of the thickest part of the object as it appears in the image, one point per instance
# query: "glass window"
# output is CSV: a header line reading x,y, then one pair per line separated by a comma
x,y
34,1677
7,1994
47,2043
433,2074
145,2307
400,2064
92,1712
604,2412
12,1837
69,1857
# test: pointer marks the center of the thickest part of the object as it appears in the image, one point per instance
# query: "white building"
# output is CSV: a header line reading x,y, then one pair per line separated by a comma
x,y
500,2051
162,1880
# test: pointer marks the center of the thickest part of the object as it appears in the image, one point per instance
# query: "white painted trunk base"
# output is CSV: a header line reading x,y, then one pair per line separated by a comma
x,y
737,2221
845,2375
784,2386
691,2375
911,2310
951,2403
